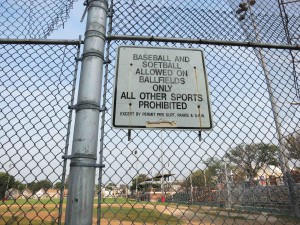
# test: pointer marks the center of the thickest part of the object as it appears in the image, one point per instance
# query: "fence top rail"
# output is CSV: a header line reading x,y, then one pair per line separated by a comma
x,y
203,41
151,39
41,41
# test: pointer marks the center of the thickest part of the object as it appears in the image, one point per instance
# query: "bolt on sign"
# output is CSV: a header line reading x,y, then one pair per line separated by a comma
x,y
161,88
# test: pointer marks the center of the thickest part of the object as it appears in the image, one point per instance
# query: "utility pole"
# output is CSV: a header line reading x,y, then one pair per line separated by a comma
x,y
137,176
85,139
284,162
191,181
162,167
228,187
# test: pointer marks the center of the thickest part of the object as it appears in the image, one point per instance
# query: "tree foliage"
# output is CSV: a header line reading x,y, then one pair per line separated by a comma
x,y
20,186
196,179
6,182
207,177
251,158
137,182
58,185
42,184
293,145
213,166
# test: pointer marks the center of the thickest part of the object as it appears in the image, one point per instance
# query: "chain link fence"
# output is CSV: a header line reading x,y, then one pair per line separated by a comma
x,y
37,84
244,171
236,173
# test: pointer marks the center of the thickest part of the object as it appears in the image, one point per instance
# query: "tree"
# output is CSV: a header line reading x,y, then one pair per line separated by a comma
x,y
33,186
137,182
208,176
213,166
293,145
45,184
21,187
58,185
36,186
6,182
251,158
197,178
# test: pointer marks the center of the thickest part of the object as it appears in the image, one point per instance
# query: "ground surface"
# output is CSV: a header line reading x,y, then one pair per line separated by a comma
x,y
193,215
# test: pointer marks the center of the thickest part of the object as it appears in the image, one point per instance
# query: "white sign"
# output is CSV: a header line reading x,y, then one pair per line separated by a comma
x,y
161,88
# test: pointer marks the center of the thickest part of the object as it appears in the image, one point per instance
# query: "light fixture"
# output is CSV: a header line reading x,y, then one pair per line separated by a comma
x,y
244,8
242,4
252,2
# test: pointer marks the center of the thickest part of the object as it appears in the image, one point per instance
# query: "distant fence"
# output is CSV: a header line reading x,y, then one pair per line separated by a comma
x,y
259,198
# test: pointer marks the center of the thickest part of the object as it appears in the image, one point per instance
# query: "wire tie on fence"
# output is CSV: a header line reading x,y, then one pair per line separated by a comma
x,y
107,61
110,12
78,59
87,105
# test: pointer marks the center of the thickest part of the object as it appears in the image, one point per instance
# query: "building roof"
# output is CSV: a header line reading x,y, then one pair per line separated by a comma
x,y
160,176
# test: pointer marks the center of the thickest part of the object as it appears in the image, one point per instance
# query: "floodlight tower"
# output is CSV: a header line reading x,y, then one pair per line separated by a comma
x,y
291,38
245,7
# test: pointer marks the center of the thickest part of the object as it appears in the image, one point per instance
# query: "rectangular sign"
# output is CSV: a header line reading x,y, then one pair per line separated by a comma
x,y
161,88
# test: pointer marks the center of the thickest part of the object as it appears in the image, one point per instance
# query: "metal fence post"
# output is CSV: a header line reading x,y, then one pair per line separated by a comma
x,y
83,159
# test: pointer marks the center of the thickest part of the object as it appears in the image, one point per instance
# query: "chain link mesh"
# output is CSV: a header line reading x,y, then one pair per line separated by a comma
x,y
236,173
36,83
244,171
206,20
32,19
242,116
